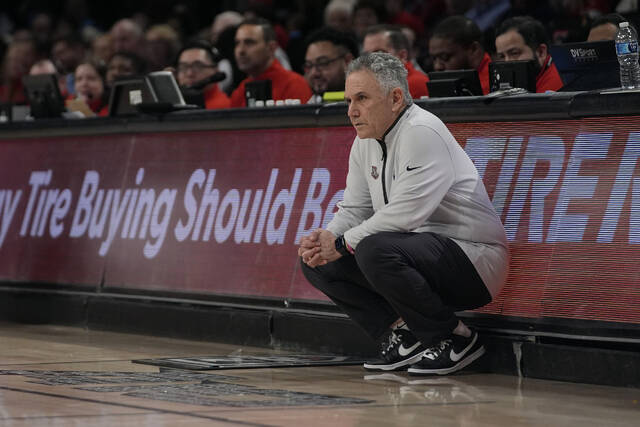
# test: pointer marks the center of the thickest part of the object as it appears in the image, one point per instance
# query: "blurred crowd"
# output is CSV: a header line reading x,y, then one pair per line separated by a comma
x,y
220,47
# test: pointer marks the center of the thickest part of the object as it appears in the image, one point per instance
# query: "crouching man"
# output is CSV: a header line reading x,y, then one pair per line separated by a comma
x,y
416,237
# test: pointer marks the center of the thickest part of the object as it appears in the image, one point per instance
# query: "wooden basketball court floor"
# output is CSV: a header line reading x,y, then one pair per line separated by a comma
x,y
65,376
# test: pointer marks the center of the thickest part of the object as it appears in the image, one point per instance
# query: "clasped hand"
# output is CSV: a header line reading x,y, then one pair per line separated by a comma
x,y
318,248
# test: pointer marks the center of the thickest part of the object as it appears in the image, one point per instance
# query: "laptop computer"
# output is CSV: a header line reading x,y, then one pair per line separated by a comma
x,y
587,65
454,83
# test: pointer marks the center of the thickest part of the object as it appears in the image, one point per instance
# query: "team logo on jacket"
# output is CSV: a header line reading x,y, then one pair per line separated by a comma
x,y
374,172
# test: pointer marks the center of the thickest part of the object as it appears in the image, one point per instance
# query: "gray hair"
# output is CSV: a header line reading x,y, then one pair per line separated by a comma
x,y
388,70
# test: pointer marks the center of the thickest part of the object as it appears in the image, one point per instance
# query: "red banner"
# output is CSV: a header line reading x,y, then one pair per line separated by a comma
x,y
222,211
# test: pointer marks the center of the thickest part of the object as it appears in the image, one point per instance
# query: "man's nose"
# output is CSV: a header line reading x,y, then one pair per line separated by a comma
x,y
352,111
438,65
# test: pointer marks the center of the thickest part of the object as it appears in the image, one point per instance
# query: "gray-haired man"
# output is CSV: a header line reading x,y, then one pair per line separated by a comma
x,y
416,237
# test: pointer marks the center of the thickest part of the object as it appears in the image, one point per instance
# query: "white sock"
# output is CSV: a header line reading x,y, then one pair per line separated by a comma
x,y
462,330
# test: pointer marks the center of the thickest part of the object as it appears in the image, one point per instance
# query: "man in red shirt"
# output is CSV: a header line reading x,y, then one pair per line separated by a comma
x,y
197,63
329,51
254,52
390,39
522,38
456,44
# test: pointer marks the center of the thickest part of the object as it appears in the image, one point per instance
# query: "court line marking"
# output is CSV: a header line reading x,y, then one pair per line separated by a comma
x,y
65,363
37,417
361,406
132,406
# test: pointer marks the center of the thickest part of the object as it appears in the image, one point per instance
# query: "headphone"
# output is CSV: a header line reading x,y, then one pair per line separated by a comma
x,y
211,51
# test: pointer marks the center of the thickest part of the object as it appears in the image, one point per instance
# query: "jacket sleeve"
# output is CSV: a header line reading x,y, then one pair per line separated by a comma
x,y
424,174
356,205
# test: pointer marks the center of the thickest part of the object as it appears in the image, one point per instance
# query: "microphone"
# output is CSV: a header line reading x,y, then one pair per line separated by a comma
x,y
214,78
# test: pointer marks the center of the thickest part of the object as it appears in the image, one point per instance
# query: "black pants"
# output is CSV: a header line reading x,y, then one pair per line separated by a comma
x,y
424,278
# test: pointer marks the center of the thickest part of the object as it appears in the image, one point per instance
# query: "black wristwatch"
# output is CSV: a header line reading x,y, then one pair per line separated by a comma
x,y
341,246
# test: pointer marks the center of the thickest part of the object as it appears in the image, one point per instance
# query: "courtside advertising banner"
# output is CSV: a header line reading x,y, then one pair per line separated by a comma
x,y
222,212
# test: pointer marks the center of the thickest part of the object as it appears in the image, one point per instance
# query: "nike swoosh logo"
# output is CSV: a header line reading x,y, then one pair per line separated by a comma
x,y
457,356
410,169
402,351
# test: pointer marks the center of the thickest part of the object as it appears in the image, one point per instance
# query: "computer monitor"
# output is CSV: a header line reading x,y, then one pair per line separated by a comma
x,y
454,83
127,93
259,90
513,74
44,96
165,87
157,92
587,65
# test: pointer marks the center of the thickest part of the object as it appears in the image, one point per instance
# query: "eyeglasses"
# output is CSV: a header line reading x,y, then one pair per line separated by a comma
x,y
197,66
321,64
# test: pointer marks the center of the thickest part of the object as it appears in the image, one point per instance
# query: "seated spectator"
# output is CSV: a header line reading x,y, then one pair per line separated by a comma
x,y
366,13
411,36
123,64
162,44
391,39
90,91
19,58
67,53
46,66
197,63
220,36
127,36
338,14
255,55
456,44
605,27
328,53
397,15
521,38
102,49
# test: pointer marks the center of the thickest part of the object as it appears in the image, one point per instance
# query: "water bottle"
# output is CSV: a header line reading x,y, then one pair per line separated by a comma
x,y
627,50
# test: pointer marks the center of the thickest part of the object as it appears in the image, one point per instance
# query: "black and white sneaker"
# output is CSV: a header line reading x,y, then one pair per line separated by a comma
x,y
450,355
399,349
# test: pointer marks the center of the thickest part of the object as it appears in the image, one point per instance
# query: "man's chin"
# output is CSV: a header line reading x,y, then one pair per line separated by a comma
x,y
319,89
362,133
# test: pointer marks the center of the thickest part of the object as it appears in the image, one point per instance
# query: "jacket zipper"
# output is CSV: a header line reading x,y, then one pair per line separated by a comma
x,y
384,167
384,153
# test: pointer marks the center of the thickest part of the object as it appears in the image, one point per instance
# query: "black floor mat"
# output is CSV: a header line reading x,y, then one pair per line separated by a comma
x,y
204,363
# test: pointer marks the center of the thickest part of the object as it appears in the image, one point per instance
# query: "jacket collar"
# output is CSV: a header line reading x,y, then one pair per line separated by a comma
x,y
395,122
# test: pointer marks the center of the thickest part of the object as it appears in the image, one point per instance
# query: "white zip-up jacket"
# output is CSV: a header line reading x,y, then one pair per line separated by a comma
x,y
419,179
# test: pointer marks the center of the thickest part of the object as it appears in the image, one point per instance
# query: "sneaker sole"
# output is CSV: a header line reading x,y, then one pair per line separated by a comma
x,y
394,366
464,362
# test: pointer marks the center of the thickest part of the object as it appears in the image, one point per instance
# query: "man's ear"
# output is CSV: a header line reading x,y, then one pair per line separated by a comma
x,y
541,53
397,97
474,47
273,45
348,57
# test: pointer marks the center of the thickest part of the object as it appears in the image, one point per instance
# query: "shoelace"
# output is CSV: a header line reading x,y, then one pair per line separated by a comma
x,y
433,352
394,339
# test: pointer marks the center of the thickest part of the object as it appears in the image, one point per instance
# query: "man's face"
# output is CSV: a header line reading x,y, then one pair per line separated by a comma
x,y
371,111
510,46
448,55
324,67
606,31
67,57
20,57
252,52
377,43
125,37
194,65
